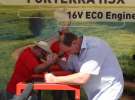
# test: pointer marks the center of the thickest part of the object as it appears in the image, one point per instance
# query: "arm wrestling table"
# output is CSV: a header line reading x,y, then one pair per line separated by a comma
x,y
48,86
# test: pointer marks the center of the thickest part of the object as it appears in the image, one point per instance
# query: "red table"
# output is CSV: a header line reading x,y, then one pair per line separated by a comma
x,y
47,86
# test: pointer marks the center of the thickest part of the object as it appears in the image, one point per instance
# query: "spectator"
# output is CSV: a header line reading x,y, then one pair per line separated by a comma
x,y
36,24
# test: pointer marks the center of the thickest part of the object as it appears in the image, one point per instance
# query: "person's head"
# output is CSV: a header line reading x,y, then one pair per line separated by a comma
x,y
39,52
41,49
62,32
70,43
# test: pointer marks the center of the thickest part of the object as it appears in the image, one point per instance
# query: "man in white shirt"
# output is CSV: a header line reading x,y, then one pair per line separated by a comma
x,y
95,65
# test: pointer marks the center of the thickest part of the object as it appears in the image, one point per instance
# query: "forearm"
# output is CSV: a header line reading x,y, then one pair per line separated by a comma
x,y
77,78
42,67
51,60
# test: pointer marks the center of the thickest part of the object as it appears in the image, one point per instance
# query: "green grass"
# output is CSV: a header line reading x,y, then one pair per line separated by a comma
x,y
14,32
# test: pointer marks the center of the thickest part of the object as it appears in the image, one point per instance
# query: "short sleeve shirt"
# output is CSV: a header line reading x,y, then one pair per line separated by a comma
x,y
24,69
97,59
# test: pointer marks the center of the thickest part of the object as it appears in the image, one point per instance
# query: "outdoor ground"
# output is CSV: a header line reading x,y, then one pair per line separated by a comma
x,y
14,33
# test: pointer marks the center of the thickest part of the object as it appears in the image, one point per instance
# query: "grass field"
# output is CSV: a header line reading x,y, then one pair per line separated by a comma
x,y
14,32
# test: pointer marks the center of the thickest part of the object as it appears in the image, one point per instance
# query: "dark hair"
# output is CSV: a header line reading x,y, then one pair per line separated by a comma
x,y
68,38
